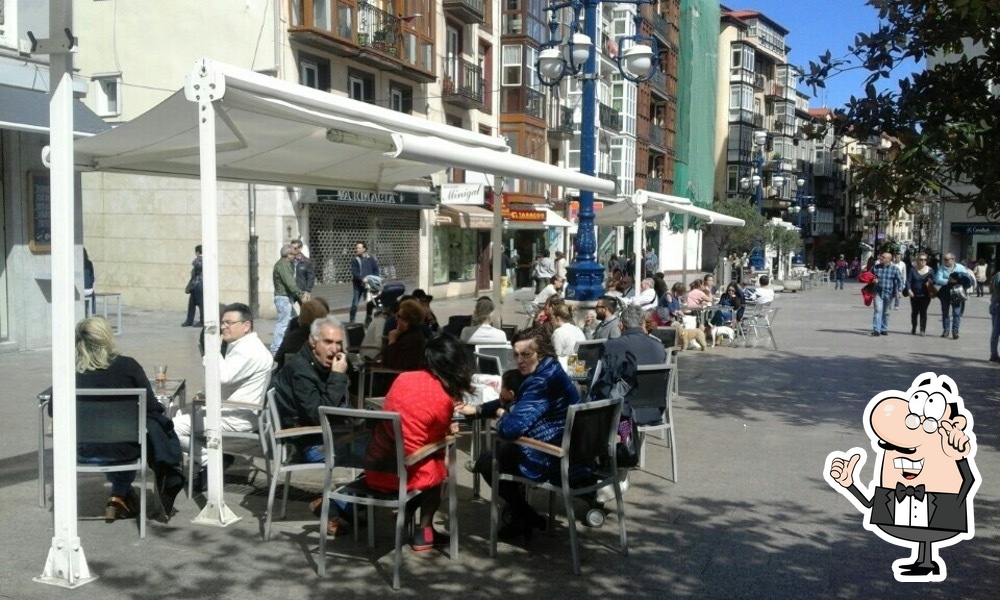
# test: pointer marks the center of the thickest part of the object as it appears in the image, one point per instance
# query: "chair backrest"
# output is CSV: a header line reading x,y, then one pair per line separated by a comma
x,y
649,399
364,439
591,429
505,354
667,335
509,331
488,365
108,416
456,323
355,336
589,351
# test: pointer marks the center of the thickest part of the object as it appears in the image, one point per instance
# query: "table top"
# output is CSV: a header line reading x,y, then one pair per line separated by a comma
x,y
170,389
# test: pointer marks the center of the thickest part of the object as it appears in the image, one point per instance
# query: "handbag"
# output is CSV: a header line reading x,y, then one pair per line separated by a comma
x,y
627,450
189,287
931,288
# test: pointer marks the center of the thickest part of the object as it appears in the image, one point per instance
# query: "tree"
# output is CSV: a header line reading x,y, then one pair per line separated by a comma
x,y
785,241
737,240
946,118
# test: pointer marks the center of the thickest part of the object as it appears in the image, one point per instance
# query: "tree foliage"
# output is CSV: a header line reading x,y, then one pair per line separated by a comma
x,y
785,241
737,240
946,118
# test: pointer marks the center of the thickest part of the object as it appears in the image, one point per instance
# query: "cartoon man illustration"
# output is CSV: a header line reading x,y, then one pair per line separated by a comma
x,y
925,477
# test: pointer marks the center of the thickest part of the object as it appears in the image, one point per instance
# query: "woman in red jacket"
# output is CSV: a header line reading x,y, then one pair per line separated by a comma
x,y
425,400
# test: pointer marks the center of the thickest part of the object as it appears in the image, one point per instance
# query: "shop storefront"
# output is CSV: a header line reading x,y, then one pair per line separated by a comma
x,y
462,231
389,222
977,240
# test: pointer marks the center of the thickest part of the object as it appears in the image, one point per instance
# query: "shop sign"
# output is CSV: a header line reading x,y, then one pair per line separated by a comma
x,y
462,193
407,199
574,209
526,215
974,228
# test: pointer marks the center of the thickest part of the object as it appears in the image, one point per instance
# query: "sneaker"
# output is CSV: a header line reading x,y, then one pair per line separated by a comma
x,y
874,334
945,334
995,359
955,336
425,538
883,333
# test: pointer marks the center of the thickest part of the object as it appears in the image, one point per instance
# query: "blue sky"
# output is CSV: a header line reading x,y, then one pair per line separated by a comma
x,y
816,26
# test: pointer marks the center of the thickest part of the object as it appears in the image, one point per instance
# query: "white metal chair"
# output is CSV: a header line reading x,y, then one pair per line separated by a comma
x,y
279,451
114,416
505,353
761,324
347,433
590,436
652,408
487,365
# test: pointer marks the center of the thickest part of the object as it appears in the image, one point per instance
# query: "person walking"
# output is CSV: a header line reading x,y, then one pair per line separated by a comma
x,y
194,291
917,288
995,311
363,265
286,293
897,261
888,285
305,268
951,316
980,273
840,269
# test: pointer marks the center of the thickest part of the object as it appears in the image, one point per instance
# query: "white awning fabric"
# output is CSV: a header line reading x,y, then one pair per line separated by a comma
x,y
656,206
272,131
554,219
469,217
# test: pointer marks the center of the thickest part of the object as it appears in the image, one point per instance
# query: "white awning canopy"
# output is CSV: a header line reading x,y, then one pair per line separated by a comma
x,y
272,131
554,219
656,206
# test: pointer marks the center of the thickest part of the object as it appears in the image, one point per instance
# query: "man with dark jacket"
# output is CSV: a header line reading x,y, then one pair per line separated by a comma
x,y
316,376
305,269
362,265
617,377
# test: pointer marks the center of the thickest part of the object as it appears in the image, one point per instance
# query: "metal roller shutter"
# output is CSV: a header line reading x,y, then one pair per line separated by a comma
x,y
392,236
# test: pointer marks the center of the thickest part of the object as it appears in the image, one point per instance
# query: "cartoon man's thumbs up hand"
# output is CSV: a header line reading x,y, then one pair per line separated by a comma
x,y
842,470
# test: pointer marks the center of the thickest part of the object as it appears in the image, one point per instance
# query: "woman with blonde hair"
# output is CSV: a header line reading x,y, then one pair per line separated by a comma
x,y
98,365
565,333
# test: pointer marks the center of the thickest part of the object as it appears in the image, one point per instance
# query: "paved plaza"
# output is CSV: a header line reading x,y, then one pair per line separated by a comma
x,y
750,517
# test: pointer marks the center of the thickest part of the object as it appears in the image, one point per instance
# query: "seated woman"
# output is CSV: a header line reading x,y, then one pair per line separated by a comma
x,y
539,413
565,333
670,307
298,329
732,300
425,400
99,366
482,330
405,350
696,297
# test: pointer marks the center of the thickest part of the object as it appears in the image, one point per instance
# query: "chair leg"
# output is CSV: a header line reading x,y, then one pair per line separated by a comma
x,y
452,503
324,517
284,495
142,503
494,508
642,450
620,504
272,489
574,544
398,553
41,455
673,451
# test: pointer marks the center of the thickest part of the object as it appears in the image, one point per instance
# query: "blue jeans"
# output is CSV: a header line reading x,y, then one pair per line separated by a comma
x,y
283,304
315,454
995,334
880,318
951,315
839,284
359,293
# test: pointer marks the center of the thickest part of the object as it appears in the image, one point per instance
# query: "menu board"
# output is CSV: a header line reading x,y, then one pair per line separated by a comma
x,y
39,212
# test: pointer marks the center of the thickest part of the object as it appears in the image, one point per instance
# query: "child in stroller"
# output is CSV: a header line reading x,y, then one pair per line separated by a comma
x,y
382,296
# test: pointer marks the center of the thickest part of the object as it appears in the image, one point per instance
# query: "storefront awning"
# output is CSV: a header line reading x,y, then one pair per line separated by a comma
x,y
28,110
656,206
469,217
554,219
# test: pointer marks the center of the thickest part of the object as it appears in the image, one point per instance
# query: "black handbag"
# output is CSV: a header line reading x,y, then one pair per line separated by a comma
x,y
628,448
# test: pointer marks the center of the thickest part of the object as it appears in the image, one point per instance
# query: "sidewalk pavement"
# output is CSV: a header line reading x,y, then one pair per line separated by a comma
x,y
751,516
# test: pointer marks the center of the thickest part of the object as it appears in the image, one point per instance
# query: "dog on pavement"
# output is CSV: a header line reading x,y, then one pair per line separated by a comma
x,y
686,336
722,331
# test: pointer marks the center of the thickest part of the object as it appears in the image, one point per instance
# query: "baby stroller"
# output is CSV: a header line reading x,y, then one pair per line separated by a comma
x,y
382,296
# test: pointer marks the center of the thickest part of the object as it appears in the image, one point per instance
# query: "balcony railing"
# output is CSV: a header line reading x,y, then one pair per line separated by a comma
x,y
654,185
609,117
466,11
462,84
658,81
565,128
656,135
523,100
660,26
378,30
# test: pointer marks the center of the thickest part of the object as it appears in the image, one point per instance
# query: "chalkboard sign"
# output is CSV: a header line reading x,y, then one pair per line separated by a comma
x,y
39,212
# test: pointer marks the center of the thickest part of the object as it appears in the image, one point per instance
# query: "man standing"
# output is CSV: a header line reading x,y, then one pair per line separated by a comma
x,y
888,285
607,322
897,261
286,293
545,269
840,272
305,269
362,265
651,262
244,372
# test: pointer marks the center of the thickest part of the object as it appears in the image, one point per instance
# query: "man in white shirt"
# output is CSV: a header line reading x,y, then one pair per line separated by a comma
x,y
646,298
554,288
764,293
245,373
897,261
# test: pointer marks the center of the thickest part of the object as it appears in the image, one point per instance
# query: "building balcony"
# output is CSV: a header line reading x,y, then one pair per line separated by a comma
x,y
522,100
366,34
565,128
466,11
659,25
462,84
654,184
774,91
656,135
609,117
658,83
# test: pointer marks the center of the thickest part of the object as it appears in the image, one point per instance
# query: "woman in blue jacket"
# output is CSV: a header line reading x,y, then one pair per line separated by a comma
x,y
539,412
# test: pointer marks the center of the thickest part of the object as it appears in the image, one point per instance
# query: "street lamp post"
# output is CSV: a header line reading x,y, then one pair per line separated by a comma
x,y
577,57
756,183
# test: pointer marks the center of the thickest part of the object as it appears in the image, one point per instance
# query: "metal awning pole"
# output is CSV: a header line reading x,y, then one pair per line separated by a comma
x,y
496,238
